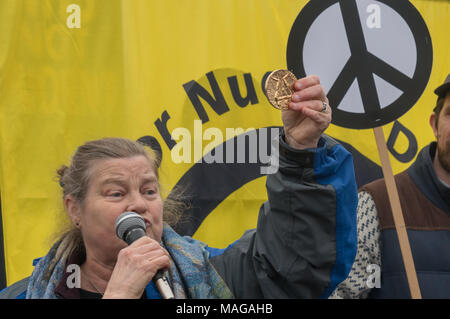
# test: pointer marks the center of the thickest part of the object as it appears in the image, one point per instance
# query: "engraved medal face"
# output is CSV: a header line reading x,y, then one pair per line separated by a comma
x,y
278,88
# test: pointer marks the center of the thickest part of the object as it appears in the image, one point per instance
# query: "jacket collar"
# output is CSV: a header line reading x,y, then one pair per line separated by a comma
x,y
424,176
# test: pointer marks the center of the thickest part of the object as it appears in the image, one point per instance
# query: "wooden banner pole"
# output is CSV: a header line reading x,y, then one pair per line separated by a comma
x,y
397,214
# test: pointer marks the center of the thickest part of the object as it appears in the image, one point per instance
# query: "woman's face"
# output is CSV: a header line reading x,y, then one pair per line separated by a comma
x,y
117,186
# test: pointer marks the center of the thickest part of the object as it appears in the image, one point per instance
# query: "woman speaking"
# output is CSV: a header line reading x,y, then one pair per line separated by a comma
x,y
302,247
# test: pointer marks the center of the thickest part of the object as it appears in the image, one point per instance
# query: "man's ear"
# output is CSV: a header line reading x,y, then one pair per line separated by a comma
x,y
433,124
73,209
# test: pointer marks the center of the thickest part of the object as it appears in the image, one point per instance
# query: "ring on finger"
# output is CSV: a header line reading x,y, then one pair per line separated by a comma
x,y
325,105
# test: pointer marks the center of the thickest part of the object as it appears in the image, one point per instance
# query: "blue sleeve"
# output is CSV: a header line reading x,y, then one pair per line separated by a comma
x,y
213,252
335,168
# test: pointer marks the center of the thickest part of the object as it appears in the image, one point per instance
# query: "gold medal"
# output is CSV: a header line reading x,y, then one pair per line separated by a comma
x,y
279,89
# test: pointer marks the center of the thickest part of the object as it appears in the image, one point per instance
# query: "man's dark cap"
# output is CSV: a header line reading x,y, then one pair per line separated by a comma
x,y
444,88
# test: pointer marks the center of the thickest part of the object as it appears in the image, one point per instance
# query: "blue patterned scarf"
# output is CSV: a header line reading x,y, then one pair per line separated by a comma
x,y
191,274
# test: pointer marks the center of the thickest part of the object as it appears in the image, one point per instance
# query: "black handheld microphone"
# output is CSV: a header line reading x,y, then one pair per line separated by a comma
x,y
130,227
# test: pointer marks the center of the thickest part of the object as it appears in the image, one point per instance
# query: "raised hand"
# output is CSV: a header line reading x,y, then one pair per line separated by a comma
x,y
308,115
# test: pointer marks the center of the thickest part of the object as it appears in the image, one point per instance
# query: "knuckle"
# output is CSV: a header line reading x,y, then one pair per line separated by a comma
x,y
160,252
318,90
315,79
167,261
318,105
145,240
164,261
310,105
133,258
124,253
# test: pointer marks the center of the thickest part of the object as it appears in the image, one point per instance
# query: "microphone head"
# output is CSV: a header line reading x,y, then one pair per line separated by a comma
x,y
128,221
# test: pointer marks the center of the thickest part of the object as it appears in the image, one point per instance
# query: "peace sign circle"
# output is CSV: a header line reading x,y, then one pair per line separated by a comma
x,y
374,58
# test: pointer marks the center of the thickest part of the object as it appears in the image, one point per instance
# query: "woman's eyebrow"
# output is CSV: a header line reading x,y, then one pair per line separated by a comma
x,y
113,180
121,181
150,179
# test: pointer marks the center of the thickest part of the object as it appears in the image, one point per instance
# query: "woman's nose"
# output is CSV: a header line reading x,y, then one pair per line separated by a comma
x,y
137,204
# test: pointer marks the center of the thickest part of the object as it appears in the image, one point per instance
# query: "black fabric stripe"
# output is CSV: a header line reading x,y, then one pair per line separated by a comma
x,y
2,253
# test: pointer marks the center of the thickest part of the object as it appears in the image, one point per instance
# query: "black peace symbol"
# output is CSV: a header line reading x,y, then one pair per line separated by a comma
x,y
362,64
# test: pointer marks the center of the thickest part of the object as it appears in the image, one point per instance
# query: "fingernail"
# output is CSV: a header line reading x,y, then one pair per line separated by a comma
x,y
298,85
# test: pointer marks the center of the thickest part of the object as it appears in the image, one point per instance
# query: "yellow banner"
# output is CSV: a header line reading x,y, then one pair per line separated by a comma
x,y
72,71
